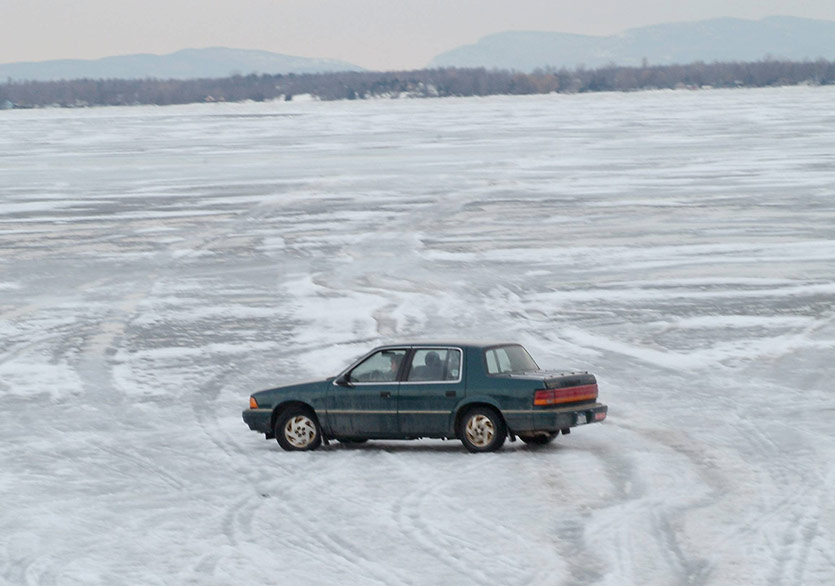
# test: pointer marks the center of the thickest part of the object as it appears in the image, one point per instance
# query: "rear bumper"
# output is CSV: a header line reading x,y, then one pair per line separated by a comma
x,y
258,420
565,417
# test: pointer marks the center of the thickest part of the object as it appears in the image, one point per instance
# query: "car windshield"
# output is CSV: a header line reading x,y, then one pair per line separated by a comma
x,y
508,359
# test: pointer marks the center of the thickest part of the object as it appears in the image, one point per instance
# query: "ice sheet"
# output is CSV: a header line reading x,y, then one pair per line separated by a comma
x,y
159,264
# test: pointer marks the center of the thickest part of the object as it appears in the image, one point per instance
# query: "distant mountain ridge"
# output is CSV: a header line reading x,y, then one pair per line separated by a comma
x,y
721,39
213,62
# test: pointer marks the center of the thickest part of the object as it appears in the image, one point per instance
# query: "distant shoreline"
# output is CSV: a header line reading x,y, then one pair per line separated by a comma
x,y
424,83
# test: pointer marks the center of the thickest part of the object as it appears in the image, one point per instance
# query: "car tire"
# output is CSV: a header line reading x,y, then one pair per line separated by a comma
x,y
482,429
297,430
539,440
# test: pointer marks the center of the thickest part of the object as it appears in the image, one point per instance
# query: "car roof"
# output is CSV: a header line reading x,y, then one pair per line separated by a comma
x,y
447,343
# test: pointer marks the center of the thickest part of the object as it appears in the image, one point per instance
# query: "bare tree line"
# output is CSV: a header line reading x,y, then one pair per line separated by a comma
x,y
422,84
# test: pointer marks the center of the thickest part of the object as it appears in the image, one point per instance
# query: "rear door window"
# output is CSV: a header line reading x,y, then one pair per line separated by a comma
x,y
435,365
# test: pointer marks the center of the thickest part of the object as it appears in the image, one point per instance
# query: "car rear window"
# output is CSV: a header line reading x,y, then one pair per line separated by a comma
x,y
508,359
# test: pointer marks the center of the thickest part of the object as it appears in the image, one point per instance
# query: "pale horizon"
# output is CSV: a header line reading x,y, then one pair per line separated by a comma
x,y
374,34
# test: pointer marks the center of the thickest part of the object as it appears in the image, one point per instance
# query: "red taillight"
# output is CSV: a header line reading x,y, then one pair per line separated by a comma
x,y
600,416
543,397
567,395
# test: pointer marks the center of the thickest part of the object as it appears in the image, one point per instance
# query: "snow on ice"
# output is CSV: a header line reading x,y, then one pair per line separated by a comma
x,y
159,264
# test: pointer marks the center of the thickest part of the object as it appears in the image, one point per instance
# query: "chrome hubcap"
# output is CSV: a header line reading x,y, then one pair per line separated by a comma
x,y
300,431
480,430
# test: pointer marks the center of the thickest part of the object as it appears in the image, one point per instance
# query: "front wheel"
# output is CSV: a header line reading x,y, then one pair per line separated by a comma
x,y
298,430
482,430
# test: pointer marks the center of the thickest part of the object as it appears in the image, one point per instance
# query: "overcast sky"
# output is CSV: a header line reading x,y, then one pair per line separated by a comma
x,y
377,34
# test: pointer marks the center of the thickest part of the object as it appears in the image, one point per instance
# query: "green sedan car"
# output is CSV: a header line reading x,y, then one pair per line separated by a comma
x,y
480,394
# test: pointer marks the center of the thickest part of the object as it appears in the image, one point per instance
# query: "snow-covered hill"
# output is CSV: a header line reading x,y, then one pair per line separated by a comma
x,y
718,39
185,64
159,264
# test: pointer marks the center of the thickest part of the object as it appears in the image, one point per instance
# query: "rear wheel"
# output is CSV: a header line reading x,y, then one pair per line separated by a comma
x,y
539,439
298,430
482,429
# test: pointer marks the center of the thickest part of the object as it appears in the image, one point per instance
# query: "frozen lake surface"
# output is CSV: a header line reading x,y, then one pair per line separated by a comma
x,y
159,264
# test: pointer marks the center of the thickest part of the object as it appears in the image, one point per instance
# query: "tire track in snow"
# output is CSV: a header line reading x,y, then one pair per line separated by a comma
x,y
692,569
307,534
638,508
618,535
142,465
236,518
26,565
794,511
94,371
408,511
791,552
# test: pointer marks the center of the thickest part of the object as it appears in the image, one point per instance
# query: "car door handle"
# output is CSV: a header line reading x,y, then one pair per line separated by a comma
x,y
385,394
450,393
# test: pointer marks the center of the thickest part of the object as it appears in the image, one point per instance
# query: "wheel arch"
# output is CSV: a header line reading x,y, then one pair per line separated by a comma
x,y
282,407
476,402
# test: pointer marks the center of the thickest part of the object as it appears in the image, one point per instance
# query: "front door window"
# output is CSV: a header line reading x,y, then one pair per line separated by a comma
x,y
380,367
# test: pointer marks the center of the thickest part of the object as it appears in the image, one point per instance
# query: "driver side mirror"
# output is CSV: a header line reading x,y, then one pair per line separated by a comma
x,y
343,381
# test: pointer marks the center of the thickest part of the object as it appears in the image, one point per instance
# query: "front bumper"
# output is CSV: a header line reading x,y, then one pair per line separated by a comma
x,y
556,419
258,420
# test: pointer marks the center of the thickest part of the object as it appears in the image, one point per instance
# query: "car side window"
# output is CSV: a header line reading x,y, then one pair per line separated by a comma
x,y
504,360
498,361
508,359
435,365
492,364
381,366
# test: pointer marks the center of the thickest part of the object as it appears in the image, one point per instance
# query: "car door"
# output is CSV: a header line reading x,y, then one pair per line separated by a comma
x,y
432,386
366,404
